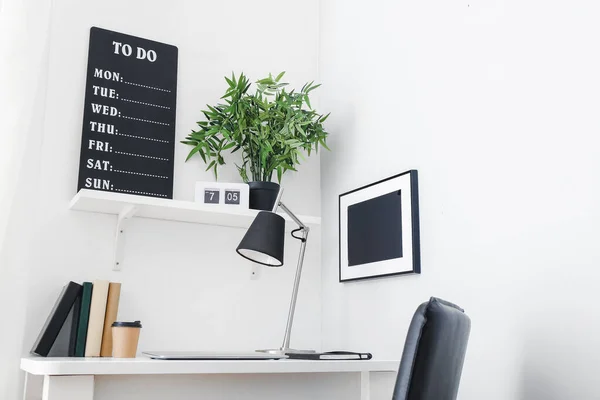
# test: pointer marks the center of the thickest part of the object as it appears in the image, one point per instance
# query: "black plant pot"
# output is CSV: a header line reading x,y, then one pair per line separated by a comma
x,y
263,195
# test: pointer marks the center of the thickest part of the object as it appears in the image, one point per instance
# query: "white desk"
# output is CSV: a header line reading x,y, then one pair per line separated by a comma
x,y
73,378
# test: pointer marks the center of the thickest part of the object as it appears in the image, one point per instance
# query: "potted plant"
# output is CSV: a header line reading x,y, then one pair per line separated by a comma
x,y
271,126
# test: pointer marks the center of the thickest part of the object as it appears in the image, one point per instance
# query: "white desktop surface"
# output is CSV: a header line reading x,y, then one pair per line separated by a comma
x,y
73,378
143,366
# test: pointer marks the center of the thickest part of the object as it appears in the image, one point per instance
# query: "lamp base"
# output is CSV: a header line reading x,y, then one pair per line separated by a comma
x,y
286,351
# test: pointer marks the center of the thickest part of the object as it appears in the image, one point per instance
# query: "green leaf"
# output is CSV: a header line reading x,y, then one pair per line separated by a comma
x,y
212,164
229,146
322,142
193,151
266,81
228,94
312,88
306,88
201,153
307,100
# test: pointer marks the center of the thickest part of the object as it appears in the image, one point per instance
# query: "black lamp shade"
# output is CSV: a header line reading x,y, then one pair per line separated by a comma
x,y
264,240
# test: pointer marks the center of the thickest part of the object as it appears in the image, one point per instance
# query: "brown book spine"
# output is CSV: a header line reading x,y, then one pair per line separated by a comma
x,y
112,309
93,342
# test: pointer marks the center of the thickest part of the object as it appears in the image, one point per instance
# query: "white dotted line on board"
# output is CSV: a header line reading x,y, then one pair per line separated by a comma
x,y
146,86
141,137
138,192
141,155
147,104
143,120
140,173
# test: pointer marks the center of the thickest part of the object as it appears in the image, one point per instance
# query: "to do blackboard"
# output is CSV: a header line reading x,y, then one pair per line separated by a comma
x,y
128,140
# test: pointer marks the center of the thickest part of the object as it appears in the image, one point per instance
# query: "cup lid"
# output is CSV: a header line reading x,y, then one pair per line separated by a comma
x,y
123,324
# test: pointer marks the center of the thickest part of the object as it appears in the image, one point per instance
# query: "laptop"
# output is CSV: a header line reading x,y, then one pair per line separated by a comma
x,y
210,355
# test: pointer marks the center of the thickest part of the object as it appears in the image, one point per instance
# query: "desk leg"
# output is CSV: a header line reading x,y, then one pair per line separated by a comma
x,y
365,385
68,387
33,387
26,390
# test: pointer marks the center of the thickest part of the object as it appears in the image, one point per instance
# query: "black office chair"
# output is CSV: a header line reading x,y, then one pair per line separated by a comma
x,y
434,352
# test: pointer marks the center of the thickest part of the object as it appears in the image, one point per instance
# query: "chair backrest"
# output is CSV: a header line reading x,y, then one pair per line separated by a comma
x,y
434,352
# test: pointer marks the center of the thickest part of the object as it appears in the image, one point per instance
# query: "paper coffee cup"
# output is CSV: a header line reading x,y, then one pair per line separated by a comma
x,y
125,338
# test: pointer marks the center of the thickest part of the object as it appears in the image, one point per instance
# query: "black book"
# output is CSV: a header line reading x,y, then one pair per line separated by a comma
x,y
55,321
331,355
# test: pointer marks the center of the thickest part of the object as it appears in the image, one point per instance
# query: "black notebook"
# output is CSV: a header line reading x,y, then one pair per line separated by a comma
x,y
55,321
332,355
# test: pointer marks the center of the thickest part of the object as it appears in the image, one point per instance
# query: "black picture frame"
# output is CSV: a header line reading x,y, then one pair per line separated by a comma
x,y
406,259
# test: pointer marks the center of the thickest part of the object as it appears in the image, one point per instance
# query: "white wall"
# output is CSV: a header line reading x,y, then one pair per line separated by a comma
x,y
183,281
496,104
24,51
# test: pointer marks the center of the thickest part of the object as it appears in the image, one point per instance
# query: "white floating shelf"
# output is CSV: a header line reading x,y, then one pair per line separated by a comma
x,y
126,206
171,210
141,366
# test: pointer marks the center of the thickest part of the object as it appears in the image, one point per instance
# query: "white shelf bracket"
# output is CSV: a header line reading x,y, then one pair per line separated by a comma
x,y
122,221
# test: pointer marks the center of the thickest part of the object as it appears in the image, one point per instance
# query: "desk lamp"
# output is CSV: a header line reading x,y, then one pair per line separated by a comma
x,y
263,244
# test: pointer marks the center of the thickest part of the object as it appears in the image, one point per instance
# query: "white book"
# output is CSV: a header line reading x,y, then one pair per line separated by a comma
x,y
93,342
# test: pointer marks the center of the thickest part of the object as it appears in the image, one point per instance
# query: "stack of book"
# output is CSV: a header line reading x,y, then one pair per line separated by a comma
x,y
79,325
